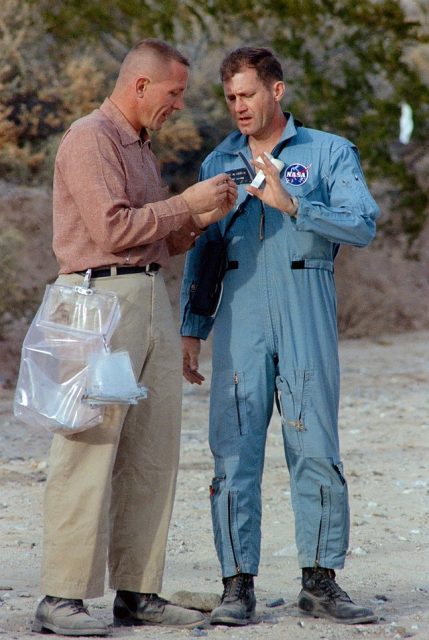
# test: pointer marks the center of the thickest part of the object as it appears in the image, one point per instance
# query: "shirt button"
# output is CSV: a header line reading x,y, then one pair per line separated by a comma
x,y
193,234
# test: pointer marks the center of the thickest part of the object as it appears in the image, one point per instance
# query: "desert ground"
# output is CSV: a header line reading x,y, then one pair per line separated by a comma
x,y
384,423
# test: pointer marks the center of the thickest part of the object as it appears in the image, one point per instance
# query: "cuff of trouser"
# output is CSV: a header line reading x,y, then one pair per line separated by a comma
x,y
129,583
326,563
74,591
228,572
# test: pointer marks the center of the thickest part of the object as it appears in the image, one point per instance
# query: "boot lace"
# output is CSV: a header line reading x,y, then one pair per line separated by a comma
x,y
73,606
331,589
155,599
235,587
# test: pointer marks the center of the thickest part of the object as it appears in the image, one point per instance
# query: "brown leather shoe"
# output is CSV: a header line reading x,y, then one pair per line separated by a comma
x,y
131,608
66,617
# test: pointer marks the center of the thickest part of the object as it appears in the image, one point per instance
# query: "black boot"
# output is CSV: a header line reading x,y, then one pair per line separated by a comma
x,y
238,601
321,597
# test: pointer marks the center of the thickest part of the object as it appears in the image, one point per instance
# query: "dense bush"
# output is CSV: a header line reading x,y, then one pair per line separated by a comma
x,y
348,67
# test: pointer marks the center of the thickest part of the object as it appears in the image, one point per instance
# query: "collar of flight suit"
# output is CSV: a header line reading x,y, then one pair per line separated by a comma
x,y
236,142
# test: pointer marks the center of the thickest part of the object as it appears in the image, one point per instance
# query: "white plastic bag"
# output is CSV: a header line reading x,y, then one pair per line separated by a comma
x,y
111,379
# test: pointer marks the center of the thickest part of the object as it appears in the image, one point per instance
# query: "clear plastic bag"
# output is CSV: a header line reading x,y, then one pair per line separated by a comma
x,y
71,325
111,379
79,309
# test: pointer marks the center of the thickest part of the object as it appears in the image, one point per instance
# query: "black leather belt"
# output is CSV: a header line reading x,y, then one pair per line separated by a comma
x,y
153,267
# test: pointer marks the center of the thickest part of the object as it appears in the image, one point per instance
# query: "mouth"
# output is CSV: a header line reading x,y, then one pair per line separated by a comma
x,y
244,120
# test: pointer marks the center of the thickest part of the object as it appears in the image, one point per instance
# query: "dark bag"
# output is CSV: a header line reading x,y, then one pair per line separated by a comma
x,y
206,291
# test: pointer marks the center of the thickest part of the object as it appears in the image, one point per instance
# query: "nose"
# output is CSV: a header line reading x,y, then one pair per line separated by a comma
x,y
179,103
240,105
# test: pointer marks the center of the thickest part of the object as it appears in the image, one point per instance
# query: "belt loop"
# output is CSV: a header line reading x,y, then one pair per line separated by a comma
x,y
113,270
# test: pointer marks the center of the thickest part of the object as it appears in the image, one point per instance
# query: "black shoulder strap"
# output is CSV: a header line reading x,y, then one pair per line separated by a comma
x,y
239,210
241,207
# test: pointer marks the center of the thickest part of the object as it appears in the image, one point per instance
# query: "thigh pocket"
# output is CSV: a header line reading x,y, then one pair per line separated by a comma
x,y
228,405
293,395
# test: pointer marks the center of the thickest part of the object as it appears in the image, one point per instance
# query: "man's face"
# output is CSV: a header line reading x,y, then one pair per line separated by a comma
x,y
251,103
163,95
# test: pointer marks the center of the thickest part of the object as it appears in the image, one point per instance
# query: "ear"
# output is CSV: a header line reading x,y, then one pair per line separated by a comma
x,y
279,90
141,85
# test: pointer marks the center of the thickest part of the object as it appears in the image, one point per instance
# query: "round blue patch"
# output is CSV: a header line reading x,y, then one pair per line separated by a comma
x,y
296,174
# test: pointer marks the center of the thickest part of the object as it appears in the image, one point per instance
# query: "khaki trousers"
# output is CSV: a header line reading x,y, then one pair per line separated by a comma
x,y
110,489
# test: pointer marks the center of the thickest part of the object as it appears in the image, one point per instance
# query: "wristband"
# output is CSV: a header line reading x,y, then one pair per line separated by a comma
x,y
295,205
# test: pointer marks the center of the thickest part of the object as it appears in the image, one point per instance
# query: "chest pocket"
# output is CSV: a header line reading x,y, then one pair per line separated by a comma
x,y
303,179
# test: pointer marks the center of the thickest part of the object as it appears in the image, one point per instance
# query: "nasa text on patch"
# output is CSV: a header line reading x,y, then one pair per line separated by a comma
x,y
296,174
240,176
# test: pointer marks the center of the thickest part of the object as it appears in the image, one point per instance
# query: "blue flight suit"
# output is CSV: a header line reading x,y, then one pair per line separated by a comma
x,y
275,333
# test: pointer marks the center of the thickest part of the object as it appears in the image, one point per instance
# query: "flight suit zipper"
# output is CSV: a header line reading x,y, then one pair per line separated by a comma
x,y
237,401
262,223
324,518
237,566
317,559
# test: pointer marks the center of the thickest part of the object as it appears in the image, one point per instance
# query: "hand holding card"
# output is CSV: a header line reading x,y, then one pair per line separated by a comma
x,y
259,179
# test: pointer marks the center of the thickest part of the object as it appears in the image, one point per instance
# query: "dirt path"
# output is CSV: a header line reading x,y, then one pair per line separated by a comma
x,y
385,443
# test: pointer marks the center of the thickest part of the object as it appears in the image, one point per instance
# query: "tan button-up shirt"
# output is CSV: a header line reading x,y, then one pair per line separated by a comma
x,y
109,206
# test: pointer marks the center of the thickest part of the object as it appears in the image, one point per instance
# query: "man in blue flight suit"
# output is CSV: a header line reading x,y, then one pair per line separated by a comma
x,y
275,336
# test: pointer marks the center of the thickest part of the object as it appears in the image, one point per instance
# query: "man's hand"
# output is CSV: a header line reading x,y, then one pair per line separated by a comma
x,y
204,219
213,198
273,193
191,348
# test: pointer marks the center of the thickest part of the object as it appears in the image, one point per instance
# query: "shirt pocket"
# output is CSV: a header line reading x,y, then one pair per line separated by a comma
x,y
313,187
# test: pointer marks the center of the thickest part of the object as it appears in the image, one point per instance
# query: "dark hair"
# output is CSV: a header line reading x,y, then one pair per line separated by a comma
x,y
263,60
161,49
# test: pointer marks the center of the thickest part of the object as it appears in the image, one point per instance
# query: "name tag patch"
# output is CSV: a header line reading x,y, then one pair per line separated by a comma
x,y
240,176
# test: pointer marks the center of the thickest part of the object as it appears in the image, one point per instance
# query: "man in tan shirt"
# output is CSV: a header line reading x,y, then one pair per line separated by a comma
x,y
110,489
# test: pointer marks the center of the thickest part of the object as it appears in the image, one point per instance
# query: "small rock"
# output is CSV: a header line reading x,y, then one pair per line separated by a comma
x,y
301,624
196,600
278,602
381,598
358,551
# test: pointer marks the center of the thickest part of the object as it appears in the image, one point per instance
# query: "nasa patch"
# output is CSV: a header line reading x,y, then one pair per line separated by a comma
x,y
296,174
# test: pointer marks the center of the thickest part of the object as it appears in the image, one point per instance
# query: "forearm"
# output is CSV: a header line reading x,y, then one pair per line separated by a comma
x,y
355,226
184,238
